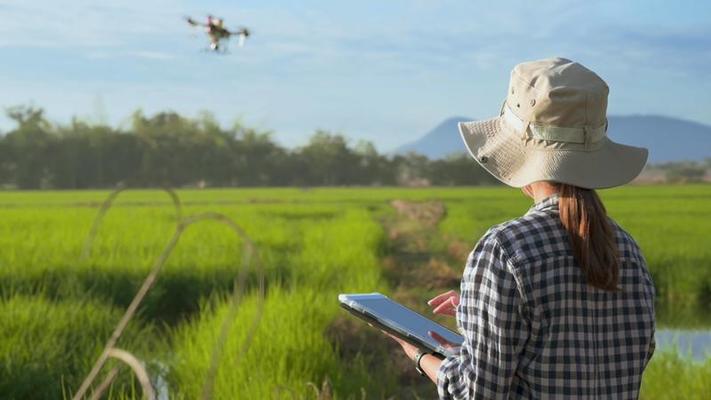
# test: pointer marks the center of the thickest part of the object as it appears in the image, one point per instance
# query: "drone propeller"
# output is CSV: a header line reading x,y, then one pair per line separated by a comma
x,y
242,34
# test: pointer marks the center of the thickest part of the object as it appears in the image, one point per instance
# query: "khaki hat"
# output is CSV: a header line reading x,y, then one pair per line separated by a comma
x,y
553,127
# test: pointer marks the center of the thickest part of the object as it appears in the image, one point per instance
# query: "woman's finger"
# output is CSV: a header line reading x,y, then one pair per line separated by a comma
x,y
449,307
437,300
444,309
440,298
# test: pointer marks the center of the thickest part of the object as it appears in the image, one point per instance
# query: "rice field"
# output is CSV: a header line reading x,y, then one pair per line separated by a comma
x,y
287,338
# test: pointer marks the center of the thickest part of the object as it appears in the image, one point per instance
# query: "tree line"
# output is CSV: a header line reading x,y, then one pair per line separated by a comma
x,y
684,171
168,149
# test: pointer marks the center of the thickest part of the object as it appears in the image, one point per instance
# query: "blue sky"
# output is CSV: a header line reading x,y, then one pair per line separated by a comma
x,y
384,71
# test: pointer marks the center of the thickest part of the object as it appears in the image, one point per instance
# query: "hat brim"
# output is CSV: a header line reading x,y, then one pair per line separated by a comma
x,y
505,155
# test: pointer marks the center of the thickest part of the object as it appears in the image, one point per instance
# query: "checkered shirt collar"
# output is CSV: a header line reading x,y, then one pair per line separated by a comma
x,y
549,203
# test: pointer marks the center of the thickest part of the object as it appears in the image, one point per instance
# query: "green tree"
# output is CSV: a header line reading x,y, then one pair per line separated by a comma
x,y
170,149
257,159
413,169
687,172
458,169
328,160
374,168
28,147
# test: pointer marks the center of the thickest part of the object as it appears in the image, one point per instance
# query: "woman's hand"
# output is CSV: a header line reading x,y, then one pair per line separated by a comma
x,y
445,303
429,363
410,350
444,342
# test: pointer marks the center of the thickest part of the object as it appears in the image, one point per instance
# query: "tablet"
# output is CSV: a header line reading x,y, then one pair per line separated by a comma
x,y
398,320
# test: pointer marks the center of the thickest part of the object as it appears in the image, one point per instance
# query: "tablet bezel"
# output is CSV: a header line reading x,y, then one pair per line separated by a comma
x,y
349,303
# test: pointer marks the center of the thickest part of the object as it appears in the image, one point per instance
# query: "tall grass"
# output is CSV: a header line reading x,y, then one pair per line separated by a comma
x,y
47,346
673,376
290,350
43,246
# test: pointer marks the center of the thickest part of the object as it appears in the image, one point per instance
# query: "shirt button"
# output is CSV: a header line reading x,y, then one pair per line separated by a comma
x,y
483,159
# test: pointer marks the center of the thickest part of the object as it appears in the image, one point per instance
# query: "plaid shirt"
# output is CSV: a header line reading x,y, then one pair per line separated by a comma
x,y
534,329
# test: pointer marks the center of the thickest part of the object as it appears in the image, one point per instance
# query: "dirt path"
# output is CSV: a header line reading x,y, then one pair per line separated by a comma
x,y
412,265
415,272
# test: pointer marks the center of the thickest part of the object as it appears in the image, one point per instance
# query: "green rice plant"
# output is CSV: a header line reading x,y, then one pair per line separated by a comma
x,y
340,254
312,244
671,225
182,223
206,260
48,345
672,376
290,349
106,205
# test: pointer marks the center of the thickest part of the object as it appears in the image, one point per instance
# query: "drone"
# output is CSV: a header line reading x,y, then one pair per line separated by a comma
x,y
218,34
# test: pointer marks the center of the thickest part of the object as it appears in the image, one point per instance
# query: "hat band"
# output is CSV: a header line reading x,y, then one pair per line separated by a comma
x,y
553,133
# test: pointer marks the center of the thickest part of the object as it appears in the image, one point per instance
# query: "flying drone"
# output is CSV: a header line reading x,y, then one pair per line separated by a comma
x,y
218,34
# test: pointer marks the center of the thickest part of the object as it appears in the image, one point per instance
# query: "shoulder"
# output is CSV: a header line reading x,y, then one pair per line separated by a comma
x,y
492,265
626,245
488,255
534,235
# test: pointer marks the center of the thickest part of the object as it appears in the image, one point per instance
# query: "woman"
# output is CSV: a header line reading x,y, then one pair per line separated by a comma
x,y
559,302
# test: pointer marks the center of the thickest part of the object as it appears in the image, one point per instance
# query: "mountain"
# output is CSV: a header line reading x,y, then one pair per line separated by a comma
x,y
439,142
668,139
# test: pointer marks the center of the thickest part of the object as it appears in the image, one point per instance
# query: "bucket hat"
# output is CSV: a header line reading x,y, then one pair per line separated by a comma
x,y
553,127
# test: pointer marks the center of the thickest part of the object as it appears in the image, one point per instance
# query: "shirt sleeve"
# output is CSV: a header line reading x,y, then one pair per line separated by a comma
x,y
491,317
652,348
652,339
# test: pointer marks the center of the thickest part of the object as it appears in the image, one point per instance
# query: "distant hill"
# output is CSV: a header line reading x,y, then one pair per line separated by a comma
x,y
439,142
668,139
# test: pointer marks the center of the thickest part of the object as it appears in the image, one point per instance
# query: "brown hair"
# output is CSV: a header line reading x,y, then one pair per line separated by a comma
x,y
591,235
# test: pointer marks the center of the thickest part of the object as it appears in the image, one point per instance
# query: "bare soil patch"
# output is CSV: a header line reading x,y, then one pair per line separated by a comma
x,y
415,273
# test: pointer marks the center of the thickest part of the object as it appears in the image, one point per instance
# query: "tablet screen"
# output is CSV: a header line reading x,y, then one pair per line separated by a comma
x,y
402,318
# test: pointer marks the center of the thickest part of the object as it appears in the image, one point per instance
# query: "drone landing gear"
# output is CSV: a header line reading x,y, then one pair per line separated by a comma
x,y
215,48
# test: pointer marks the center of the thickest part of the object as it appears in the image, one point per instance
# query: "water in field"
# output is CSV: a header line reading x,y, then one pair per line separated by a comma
x,y
686,329
694,343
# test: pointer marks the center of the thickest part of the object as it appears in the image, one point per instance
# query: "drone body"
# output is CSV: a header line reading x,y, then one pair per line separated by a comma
x,y
218,34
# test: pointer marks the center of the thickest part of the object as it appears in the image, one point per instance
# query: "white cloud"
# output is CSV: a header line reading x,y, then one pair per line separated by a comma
x,y
82,23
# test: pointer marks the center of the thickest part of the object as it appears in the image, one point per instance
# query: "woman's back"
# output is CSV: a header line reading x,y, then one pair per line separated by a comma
x,y
557,303
534,326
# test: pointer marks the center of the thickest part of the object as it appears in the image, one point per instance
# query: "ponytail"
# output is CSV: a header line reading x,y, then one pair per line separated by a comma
x,y
592,237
